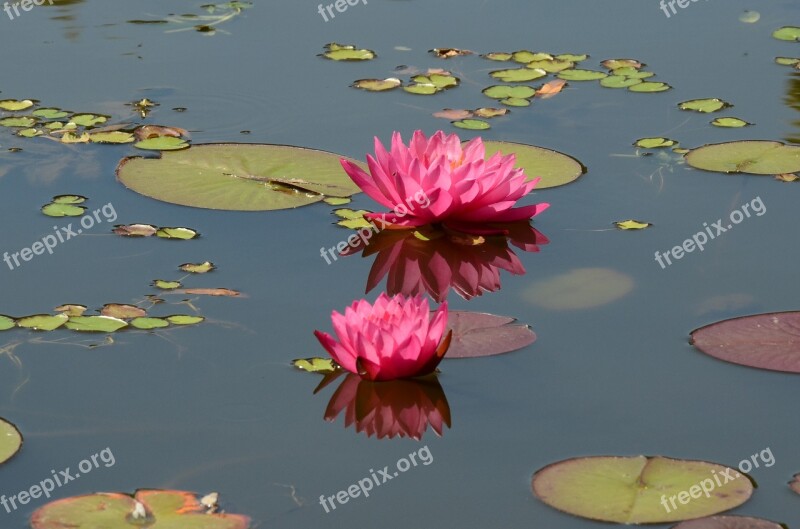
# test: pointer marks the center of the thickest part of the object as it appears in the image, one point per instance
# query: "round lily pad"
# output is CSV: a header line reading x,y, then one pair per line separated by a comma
x,y
581,288
649,87
183,234
581,75
181,319
421,89
50,113
95,324
22,121
159,509
198,268
618,81
506,91
554,168
518,75
516,102
734,123
377,85
728,522
635,490
122,311
654,143
15,105
766,341
62,210
147,323
478,334
704,105
10,440
234,176
752,157
471,124
69,199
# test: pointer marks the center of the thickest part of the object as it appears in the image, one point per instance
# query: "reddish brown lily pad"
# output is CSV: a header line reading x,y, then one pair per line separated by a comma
x,y
478,334
766,341
728,522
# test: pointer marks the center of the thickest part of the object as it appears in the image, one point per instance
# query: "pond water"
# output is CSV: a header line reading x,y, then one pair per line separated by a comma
x,y
218,407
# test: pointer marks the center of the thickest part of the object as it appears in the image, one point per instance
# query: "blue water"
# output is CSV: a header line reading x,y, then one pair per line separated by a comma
x,y
217,407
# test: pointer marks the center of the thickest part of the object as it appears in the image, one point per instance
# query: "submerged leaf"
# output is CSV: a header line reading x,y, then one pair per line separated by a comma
x,y
183,234
580,288
15,105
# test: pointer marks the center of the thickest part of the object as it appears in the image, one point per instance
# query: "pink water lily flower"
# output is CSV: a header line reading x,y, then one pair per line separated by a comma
x,y
435,180
395,338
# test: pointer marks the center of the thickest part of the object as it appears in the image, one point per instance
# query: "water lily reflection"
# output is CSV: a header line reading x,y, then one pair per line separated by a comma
x,y
434,261
397,408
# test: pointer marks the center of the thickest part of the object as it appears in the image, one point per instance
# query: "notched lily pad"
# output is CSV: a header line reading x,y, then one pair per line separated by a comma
x,y
18,122
580,288
518,75
728,522
654,143
649,87
149,323
619,81
632,490
478,334
730,123
89,120
182,319
472,124
346,52
581,75
704,105
752,157
95,324
378,85
50,113
183,234
43,322
239,176
198,268
508,91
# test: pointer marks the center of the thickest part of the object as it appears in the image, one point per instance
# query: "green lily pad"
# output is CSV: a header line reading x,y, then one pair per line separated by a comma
x,y
315,365
581,75
729,522
23,121
632,490
421,89
632,73
29,133
614,64
618,81
472,124
166,285
337,201
10,440
162,143
352,218
734,123
116,136
69,199
486,112
50,113
7,322
497,56
554,169
378,85
654,143
157,509
648,87
752,157
147,323
787,61
183,234
704,105
506,91
88,120
348,52
62,210
518,75
15,105
580,288
42,322
242,177
515,102
440,81
572,57
197,268
525,56
790,33
72,310
95,324
182,319
551,65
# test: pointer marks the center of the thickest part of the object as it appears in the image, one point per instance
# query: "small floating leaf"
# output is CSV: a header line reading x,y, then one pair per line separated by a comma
x,y
352,218
95,324
23,121
6,323
654,143
581,75
166,285
198,268
162,143
184,234
29,133
648,87
478,334
704,105
69,199
766,341
112,137
43,322
447,53
439,80
631,73
316,365
497,56
88,120
62,210
516,102
122,311
50,113
486,112
339,52
337,201
790,33
135,230
730,122
422,89
449,113
226,292
787,61
14,105
580,288
182,319
753,157
506,91
525,56
72,310
472,124
619,81
378,85
518,75
572,57
10,441
629,490
71,137
613,64
149,323
551,65
631,224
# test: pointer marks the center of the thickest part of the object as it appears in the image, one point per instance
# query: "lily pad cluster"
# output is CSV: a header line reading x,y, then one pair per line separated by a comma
x,y
65,206
29,120
112,318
